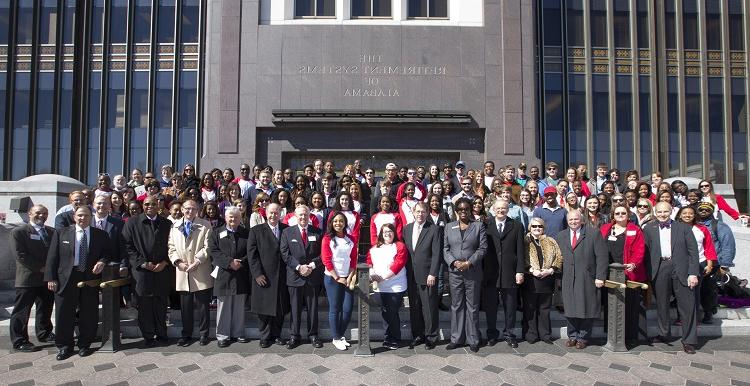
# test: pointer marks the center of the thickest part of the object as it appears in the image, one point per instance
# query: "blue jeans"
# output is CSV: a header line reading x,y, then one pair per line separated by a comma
x,y
390,303
340,301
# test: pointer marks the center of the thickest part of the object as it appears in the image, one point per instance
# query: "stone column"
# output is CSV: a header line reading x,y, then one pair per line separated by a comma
x,y
363,284
616,310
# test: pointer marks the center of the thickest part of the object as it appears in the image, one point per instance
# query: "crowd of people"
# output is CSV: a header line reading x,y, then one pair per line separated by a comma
x,y
272,241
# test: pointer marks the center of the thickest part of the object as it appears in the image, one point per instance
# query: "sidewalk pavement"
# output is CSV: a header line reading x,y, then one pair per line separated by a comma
x,y
722,361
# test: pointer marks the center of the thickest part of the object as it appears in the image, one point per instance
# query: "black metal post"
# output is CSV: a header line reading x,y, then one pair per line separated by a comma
x,y
110,311
363,282
616,310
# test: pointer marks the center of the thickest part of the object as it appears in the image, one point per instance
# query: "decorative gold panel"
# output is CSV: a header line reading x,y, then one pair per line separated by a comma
x,y
47,50
117,65
4,50
737,56
738,72
672,54
96,66
166,49
190,64
577,67
23,50
714,55
644,54
623,53
624,69
47,66
672,70
24,66
118,49
68,66
97,49
599,52
69,50
3,66
692,71
142,49
644,69
601,68
714,71
166,65
692,55
142,65
193,49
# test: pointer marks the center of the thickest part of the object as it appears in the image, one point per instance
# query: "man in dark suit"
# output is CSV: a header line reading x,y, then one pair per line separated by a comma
x,y
109,224
76,253
503,270
585,267
65,217
145,238
227,246
674,270
423,240
269,297
30,244
300,250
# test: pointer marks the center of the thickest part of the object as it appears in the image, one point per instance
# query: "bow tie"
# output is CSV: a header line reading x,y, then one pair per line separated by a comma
x,y
665,225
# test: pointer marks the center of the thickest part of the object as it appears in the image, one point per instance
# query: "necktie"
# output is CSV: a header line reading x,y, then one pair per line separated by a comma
x,y
574,240
276,232
83,252
500,227
665,225
43,234
304,237
187,229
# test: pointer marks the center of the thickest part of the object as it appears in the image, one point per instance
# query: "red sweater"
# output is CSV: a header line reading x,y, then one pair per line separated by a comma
x,y
723,205
635,248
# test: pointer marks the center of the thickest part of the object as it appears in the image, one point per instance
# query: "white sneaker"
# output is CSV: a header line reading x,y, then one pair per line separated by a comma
x,y
343,339
339,344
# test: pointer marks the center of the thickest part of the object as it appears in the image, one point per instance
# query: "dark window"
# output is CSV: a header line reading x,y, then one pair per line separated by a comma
x,y
713,24
4,21
48,22
690,24
574,19
162,120
139,121
315,8
643,23
739,141
190,27
45,99
716,138
624,117
69,21
428,8
22,101
693,127
66,124
97,22
670,27
673,126
118,22
187,118
600,110
165,24
371,8
115,122
644,111
3,97
552,25
25,25
598,23
736,31
577,118
142,21
95,93
553,118
621,17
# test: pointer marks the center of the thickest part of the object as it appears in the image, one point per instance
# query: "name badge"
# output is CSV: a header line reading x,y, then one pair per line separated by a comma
x,y
36,237
612,238
312,238
223,234
294,241
66,242
455,227
630,233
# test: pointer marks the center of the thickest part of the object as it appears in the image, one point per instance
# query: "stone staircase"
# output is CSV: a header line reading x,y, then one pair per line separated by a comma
x,y
727,322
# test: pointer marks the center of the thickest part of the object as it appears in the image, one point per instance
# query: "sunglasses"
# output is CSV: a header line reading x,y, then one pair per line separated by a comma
x,y
620,214
704,210
643,206
705,186
618,199
537,227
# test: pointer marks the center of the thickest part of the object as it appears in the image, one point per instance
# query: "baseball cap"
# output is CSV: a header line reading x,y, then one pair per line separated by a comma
x,y
461,164
550,189
390,165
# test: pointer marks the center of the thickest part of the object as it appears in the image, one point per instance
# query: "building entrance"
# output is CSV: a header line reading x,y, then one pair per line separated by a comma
x,y
375,160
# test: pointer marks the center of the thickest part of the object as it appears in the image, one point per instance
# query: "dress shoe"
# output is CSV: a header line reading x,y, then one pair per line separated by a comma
x,y
659,339
292,343
317,343
204,340
531,341
183,342
452,346
223,343
63,354
25,347
242,339
429,345
279,342
162,340
149,343
512,342
390,345
491,342
708,319
570,343
443,307
265,344
47,338
474,348
416,342
548,341
85,351
688,349
580,345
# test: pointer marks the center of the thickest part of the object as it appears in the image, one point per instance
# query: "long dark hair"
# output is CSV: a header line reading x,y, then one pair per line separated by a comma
x,y
337,205
695,215
440,200
332,232
381,240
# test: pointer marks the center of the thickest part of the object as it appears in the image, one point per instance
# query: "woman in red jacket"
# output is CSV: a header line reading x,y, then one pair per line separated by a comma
x,y
720,204
388,260
384,216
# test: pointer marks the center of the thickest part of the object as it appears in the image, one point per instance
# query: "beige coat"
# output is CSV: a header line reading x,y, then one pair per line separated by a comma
x,y
194,248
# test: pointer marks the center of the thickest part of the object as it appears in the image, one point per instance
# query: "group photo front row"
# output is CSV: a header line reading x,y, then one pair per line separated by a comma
x,y
272,243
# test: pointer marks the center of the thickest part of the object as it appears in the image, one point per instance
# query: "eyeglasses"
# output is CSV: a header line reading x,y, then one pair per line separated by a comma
x,y
551,168
643,206
466,183
704,210
705,186
537,227
369,172
148,177
621,214
411,173
248,169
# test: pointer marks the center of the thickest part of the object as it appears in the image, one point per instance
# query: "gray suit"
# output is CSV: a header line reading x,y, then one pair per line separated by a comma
x,y
670,276
465,286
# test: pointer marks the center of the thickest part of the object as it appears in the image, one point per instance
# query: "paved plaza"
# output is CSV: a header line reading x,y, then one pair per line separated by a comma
x,y
720,361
